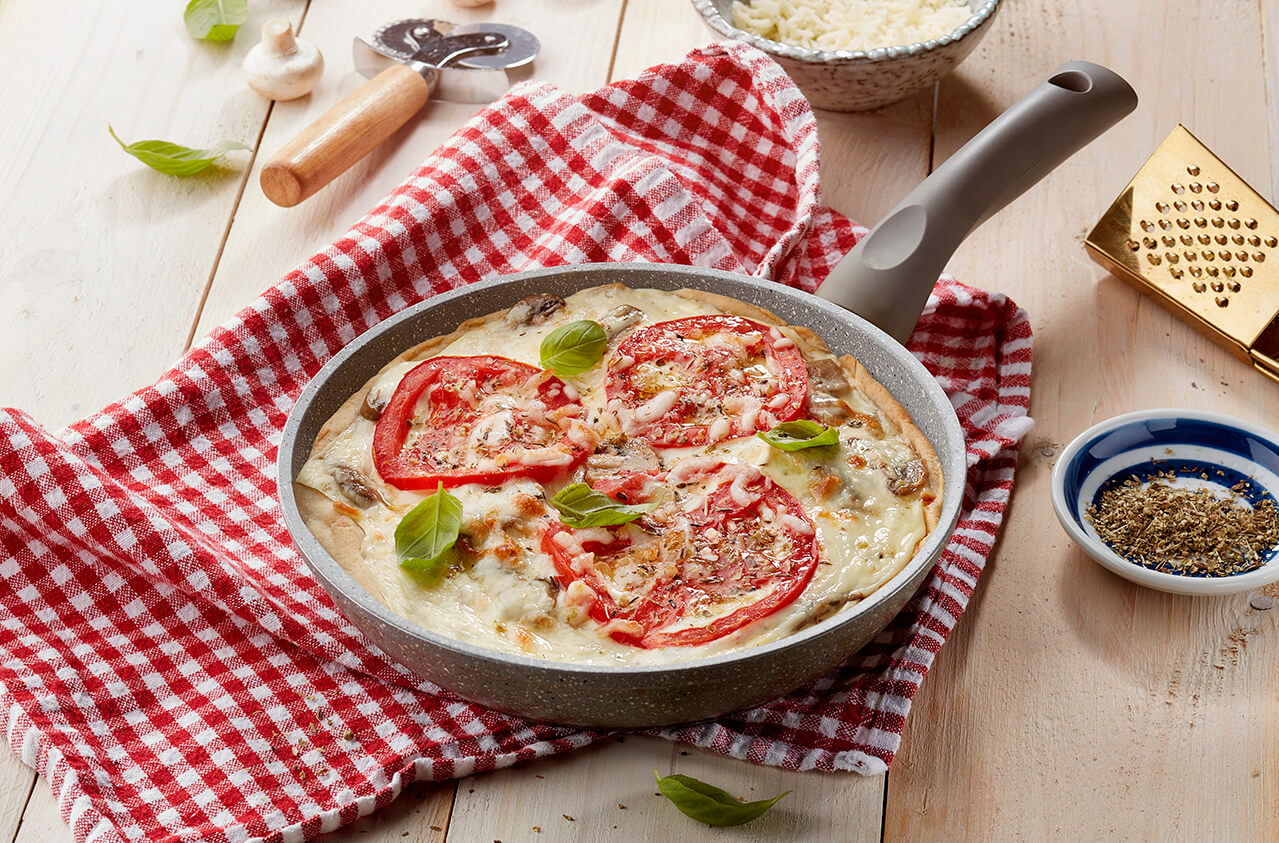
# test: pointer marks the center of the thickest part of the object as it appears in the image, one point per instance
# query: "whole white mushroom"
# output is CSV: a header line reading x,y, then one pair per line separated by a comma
x,y
282,67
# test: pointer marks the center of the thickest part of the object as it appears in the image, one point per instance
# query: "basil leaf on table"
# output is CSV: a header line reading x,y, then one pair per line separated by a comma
x,y
215,20
172,159
799,434
573,348
582,506
708,804
424,536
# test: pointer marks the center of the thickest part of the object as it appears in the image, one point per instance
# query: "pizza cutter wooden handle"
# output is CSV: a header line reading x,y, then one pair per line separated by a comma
x,y
344,134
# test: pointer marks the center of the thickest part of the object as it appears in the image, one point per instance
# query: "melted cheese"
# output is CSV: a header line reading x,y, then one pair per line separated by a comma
x,y
502,594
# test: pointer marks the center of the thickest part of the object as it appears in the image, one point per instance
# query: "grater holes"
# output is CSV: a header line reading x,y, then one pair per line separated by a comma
x,y
1233,222
1232,205
1234,286
1199,286
1176,273
1213,187
1254,240
1196,187
1217,286
1198,204
1147,225
1165,224
1251,222
1218,222
1196,272
1161,207
1132,245
1272,241
1215,204
1209,254
1150,242
1190,256
1153,258
1193,169
1229,271
1178,188
1172,257
1180,205
1221,239
1245,271
1203,238
1183,222
1259,257
1169,241
1222,301
1237,239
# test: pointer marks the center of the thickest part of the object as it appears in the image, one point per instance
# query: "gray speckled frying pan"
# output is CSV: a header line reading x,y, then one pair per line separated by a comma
x,y
887,277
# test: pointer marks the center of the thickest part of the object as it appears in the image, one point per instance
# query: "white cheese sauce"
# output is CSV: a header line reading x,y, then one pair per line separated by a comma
x,y
501,591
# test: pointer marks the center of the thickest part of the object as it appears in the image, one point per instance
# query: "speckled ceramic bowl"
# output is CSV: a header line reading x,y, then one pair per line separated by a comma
x,y
858,80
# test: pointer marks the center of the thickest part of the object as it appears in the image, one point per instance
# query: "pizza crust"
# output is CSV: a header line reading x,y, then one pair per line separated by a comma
x,y
328,519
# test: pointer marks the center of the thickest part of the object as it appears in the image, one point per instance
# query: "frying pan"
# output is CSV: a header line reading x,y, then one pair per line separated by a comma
x,y
886,277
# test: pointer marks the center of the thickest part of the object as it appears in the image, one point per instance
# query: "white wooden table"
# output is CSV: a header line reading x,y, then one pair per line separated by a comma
x,y
1067,705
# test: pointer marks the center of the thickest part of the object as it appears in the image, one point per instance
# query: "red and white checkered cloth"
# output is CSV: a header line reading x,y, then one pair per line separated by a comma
x,y
168,662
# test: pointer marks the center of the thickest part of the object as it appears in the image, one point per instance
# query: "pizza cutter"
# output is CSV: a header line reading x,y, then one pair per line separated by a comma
x,y
409,62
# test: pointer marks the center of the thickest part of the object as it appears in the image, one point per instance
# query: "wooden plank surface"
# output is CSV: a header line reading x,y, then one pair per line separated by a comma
x,y
1069,704
90,232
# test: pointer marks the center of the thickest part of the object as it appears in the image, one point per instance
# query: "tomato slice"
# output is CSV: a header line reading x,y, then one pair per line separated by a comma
x,y
482,419
730,548
703,379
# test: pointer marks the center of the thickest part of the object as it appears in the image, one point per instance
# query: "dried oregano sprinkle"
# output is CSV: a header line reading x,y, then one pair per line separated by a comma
x,y
1185,531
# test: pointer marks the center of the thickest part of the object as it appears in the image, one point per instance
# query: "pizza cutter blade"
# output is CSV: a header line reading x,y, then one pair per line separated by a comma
x,y
474,78
409,62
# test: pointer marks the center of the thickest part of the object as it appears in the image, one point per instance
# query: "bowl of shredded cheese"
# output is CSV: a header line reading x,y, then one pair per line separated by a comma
x,y
855,55
1179,500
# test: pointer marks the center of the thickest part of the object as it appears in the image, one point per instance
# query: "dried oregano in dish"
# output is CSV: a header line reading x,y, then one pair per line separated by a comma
x,y
1188,531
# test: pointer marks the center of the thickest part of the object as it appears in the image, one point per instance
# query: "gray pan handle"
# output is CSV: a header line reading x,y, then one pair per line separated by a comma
x,y
888,275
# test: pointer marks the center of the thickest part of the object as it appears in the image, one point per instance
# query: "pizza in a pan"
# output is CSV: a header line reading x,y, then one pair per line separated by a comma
x,y
625,476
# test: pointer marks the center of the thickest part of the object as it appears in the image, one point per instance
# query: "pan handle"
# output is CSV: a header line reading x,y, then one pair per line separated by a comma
x,y
887,276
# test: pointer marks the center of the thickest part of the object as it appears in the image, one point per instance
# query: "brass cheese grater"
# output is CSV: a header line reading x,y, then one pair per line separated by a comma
x,y
1192,233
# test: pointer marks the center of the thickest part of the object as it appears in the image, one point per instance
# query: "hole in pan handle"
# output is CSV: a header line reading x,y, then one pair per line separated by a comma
x,y
887,276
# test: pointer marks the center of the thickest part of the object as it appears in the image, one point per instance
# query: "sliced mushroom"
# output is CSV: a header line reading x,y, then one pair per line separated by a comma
x,y
826,379
372,406
906,477
618,456
533,310
354,485
619,319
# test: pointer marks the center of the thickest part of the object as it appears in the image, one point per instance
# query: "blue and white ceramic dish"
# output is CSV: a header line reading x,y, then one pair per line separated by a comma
x,y
1190,443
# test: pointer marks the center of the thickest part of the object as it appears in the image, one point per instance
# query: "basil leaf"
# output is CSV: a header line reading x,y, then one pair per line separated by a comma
x,y
174,160
582,506
573,348
799,434
215,20
708,804
424,536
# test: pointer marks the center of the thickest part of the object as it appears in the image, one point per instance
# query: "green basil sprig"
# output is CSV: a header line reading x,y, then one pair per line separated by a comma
x,y
215,20
172,159
799,434
573,348
582,506
708,804
425,536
